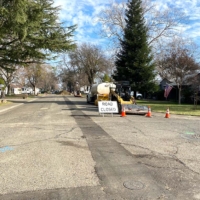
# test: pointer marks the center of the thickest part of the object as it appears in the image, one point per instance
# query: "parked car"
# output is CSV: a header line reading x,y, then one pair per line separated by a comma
x,y
138,95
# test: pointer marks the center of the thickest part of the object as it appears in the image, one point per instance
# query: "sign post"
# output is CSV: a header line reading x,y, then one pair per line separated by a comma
x,y
108,107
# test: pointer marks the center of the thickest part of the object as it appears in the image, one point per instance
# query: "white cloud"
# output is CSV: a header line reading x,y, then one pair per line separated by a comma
x,y
191,8
84,14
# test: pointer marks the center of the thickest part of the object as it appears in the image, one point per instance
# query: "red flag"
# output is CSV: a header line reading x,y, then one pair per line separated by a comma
x,y
168,88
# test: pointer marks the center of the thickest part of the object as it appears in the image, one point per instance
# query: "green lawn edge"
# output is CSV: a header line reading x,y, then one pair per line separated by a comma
x,y
174,108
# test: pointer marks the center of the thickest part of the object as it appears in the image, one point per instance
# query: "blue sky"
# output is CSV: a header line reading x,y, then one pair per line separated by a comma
x,y
84,13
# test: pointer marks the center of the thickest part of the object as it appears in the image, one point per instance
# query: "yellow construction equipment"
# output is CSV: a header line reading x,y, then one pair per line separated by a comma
x,y
120,92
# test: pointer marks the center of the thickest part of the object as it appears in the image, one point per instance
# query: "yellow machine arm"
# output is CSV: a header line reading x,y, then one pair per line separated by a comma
x,y
120,100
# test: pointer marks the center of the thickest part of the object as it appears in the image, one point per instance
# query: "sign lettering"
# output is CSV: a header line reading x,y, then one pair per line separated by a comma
x,y
108,107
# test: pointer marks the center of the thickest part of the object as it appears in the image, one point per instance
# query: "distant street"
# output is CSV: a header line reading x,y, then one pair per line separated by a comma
x,y
59,148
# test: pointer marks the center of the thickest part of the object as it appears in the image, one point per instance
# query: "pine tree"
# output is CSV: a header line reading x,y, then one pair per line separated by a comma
x,y
134,60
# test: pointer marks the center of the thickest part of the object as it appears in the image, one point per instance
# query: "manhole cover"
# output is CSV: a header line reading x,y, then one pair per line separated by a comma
x,y
133,185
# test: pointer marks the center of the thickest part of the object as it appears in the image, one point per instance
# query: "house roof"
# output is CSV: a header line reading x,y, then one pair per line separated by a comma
x,y
15,85
166,81
186,81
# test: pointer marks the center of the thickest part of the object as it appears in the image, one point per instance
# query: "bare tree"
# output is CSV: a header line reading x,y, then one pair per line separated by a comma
x,y
113,22
20,77
160,23
89,60
48,80
71,75
177,63
67,78
34,75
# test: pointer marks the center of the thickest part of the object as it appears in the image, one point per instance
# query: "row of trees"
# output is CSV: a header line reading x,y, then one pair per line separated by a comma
x,y
30,32
35,75
146,44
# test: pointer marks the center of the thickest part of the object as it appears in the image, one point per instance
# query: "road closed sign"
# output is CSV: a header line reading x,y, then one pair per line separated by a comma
x,y
108,107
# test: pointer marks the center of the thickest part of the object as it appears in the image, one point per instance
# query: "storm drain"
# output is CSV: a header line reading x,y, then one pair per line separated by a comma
x,y
133,185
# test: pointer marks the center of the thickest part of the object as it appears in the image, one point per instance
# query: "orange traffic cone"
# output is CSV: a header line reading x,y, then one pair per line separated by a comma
x,y
149,112
167,113
123,113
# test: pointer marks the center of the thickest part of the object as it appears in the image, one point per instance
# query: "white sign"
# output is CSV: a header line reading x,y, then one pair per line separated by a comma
x,y
108,107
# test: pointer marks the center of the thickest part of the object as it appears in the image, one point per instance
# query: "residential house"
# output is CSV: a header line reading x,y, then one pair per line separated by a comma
x,y
16,89
189,85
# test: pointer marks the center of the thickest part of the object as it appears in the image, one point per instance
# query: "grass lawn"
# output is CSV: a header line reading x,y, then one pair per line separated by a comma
x,y
174,108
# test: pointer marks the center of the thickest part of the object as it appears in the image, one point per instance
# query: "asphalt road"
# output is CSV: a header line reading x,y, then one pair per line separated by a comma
x,y
60,148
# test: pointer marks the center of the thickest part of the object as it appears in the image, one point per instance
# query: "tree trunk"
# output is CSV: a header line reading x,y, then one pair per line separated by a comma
x,y
2,94
179,95
34,90
8,90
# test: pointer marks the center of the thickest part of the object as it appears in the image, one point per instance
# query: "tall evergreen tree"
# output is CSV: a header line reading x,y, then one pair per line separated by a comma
x,y
134,60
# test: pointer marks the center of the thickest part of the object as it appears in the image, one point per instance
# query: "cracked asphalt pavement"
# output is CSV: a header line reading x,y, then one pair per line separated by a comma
x,y
59,147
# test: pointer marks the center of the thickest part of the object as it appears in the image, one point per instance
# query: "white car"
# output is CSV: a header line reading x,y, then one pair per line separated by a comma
x,y
138,95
